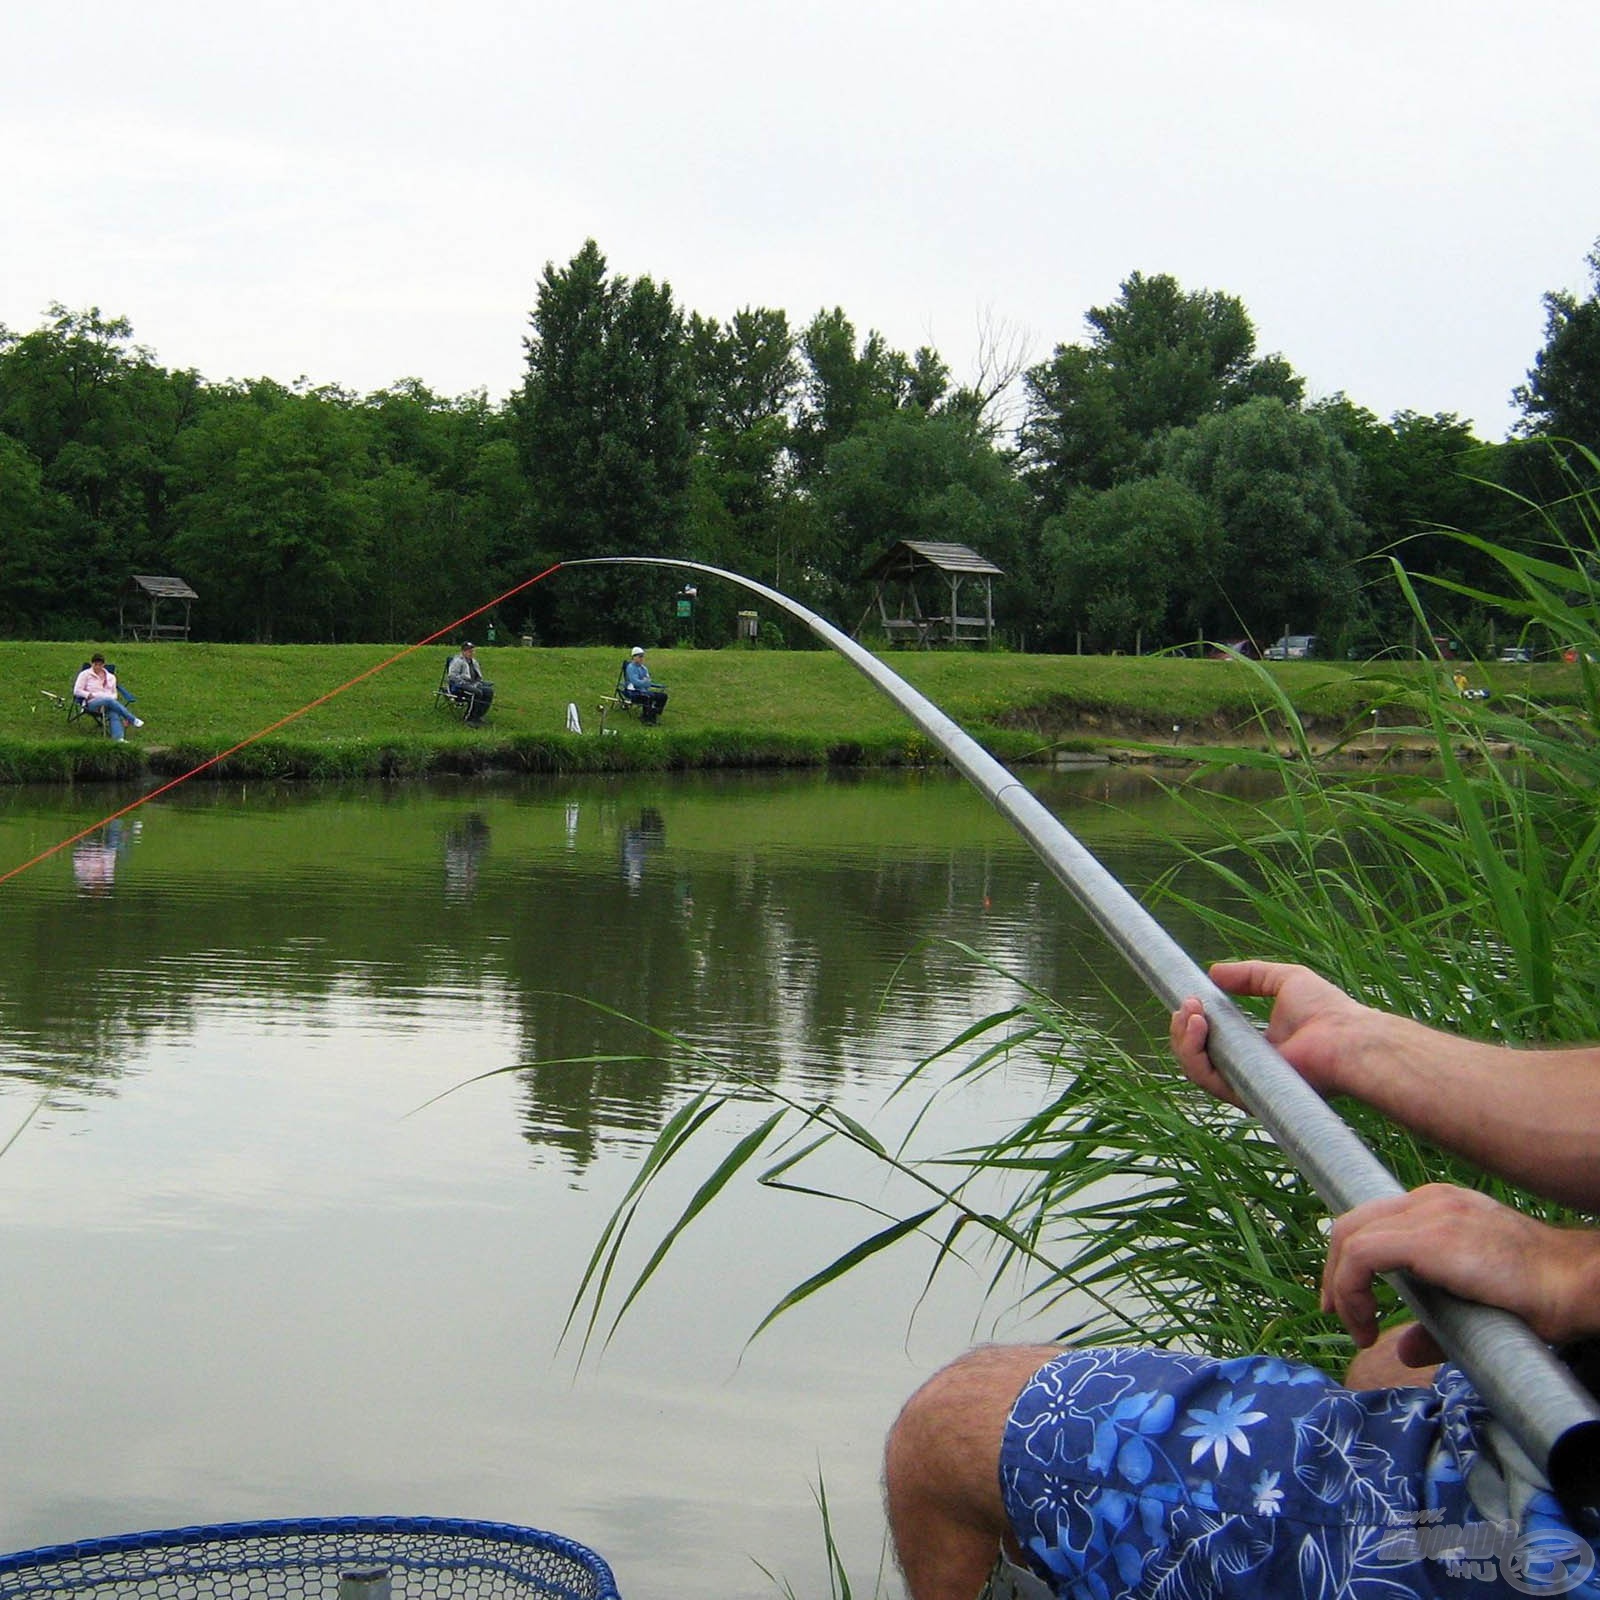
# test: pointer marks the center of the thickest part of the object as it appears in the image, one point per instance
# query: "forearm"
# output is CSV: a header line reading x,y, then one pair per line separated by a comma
x,y
1532,1116
1529,1115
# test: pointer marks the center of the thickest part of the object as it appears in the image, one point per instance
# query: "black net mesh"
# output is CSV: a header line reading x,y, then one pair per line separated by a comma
x,y
345,1558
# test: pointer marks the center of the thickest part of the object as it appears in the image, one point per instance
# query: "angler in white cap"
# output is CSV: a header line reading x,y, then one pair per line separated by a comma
x,y
638,686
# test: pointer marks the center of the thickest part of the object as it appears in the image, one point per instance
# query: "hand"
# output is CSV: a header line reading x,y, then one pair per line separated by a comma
x,y
1315,1024
1474,1247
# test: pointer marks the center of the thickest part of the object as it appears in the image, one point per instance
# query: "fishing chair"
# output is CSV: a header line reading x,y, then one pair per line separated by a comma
x,y
617,700
76,708
456,701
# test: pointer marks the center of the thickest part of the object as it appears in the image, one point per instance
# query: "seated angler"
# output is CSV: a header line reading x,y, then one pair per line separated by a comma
x,y
467,682
96,691
638,686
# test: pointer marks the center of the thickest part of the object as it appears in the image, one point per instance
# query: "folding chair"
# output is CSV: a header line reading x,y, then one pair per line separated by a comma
x,y
617,700
456,701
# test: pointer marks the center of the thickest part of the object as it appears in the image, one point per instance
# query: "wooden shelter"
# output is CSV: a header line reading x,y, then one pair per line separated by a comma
x,y
918,592
159,624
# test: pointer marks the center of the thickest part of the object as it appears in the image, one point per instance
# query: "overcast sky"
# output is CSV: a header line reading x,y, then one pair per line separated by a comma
x,y
359,192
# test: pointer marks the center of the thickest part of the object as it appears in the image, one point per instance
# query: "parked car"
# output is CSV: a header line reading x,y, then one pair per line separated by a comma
x,y
1292,647
1231,648
1518,653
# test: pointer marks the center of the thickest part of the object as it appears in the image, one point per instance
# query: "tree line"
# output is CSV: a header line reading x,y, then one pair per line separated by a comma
x,y
1162,481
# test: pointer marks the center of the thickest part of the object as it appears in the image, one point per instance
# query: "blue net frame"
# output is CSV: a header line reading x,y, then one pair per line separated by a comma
x,y
320,1558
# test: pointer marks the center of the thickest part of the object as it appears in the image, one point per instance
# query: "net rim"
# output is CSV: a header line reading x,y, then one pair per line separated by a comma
x,y
503,1533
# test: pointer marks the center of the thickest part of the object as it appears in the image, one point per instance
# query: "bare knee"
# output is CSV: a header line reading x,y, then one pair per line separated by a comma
x,y
943,1451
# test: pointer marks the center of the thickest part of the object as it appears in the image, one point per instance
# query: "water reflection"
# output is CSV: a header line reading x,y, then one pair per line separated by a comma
x,y
640,840
466,842
796,928
94,860
332,1289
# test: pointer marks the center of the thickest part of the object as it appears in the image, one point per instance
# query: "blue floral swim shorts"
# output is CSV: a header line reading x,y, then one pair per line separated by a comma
x,y
1176,1477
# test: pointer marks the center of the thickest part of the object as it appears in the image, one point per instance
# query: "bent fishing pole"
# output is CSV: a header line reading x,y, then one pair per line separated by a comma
x,y
1537,1399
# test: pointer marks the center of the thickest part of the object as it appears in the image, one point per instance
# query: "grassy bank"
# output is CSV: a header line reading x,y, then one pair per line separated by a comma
x,y
729,708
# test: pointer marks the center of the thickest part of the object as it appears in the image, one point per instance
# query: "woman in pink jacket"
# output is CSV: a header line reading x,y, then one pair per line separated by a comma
x,y
96,691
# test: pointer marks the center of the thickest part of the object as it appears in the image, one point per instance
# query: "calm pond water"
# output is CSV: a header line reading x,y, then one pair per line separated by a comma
x,y
255,1266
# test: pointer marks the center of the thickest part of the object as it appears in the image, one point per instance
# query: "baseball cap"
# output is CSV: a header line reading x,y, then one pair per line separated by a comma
x,y
638,650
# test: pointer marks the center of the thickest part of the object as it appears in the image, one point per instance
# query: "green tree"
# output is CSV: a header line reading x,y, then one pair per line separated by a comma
x,y
494,515
747,375
37,557
101,420
1278,484
1417,475
277,518
450,504
747,371
907,475
844,387
59,396
603,424
421,575
1156,359
1121,566
1562,395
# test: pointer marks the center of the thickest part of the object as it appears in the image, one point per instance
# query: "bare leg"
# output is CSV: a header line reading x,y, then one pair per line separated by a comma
x,y
1381,1366
942,1470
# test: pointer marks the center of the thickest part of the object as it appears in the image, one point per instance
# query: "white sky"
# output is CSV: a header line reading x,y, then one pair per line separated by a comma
x,y
358,192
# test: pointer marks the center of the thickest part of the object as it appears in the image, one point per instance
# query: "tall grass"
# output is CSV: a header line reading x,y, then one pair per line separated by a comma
x,y
1132,1205
839,1585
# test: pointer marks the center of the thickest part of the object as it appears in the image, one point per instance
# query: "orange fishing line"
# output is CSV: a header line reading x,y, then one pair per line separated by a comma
x,y
310,705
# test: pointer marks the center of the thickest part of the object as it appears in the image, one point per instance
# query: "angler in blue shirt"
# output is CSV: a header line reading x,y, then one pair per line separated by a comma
x,y
638,686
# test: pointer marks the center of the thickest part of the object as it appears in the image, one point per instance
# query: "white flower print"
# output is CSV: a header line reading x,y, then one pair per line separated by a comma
x,y
1268,1496
1217,1430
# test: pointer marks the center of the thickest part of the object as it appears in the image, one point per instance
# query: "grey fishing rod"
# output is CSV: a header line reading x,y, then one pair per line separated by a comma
x,y
1526,1386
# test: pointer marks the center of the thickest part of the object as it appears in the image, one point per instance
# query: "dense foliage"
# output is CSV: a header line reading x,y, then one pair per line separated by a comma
x,y
1163,481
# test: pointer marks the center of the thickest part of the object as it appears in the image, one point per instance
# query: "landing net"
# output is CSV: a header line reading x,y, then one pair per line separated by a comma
x,y
338,1558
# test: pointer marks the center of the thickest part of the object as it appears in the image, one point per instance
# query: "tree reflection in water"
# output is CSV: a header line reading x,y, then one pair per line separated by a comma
x,y
253,1223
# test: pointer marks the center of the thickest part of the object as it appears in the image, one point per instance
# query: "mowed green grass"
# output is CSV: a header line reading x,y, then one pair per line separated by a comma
x,y
213,695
